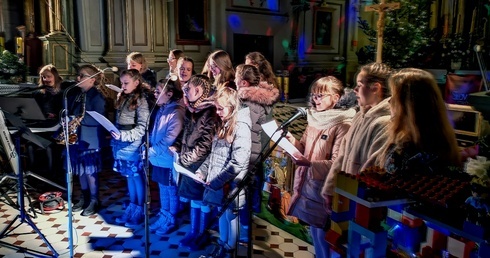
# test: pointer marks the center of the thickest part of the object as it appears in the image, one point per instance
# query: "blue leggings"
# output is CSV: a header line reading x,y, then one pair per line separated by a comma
x,y
228,228
322,248
136,188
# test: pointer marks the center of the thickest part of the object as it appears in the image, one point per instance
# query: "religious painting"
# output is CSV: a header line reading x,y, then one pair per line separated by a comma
x,y
192,22
265,5
323,27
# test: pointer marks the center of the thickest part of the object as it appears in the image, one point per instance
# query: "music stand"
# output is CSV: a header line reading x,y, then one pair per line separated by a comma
x,y
13,151
27,109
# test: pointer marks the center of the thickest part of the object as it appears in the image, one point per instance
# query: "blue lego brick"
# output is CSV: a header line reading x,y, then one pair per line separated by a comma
x,y
342,216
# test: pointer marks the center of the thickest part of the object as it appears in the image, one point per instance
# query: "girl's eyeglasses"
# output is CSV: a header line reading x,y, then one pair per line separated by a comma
x,y
319,95
82,75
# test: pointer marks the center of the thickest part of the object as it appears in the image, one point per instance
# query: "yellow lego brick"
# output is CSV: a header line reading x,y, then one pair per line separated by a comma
x,y
339,227
340,203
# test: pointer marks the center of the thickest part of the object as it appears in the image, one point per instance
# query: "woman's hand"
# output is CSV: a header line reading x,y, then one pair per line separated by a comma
x,y
290,137
115,135
202,177
300,160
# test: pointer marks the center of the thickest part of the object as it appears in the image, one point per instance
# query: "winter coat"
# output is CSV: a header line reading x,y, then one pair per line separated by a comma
x,y
361,145
169,122
197,136
320,144
91,133
259,100
127,147
228,163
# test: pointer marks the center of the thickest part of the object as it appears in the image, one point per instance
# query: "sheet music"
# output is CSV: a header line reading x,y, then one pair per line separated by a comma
x,y
108,125
270,129
185,171
114,88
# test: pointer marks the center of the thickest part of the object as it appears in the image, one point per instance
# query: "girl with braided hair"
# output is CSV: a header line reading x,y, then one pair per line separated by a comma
x,y
199,128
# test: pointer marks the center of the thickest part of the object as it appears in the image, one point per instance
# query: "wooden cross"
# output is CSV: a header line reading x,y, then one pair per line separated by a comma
x,y
381,9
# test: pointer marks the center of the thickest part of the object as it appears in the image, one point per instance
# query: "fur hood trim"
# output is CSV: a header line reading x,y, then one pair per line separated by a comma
x,y
264,94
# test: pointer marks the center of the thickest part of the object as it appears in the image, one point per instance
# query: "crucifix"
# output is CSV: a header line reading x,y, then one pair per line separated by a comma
x,y
381,9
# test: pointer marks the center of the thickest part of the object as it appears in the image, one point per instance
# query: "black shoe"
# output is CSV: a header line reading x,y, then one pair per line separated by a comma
x,y
80,205
91,209
83,202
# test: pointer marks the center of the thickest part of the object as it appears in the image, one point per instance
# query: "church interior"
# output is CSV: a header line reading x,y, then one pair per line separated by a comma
x,y
303,40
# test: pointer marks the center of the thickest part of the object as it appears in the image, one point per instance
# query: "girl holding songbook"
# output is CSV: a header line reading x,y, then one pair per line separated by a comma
x,y
227,165
131,118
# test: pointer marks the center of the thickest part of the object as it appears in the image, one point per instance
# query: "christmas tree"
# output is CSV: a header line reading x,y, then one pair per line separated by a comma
x,y
408,39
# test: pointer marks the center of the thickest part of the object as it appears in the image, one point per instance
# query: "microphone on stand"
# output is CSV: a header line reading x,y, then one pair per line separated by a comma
x,y
300,113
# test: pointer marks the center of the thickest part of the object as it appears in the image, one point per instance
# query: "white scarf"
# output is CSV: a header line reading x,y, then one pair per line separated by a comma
x,y
330,117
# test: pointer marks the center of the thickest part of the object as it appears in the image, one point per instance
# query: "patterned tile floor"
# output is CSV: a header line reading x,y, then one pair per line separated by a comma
x,y
100,236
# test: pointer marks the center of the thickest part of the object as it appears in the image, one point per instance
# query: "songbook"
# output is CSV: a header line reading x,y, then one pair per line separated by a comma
x,y
108,125
179,168
270,128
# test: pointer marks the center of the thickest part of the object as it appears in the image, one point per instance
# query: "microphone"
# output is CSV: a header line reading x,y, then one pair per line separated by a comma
x,y
172,77
301,112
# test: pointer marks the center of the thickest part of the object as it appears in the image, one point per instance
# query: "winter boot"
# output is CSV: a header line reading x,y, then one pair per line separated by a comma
x,y
203,237
161,220
127,214
136,218
83,202
195,227
167,227
173,204
91,208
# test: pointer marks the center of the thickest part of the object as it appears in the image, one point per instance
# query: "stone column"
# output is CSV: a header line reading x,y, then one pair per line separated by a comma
x,y
58,45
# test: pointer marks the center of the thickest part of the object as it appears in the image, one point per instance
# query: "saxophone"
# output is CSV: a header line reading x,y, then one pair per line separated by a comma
x,y
73,125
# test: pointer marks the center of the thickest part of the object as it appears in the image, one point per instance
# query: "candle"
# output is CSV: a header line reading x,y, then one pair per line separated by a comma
x,y
20,45
472,28
2,43
446,25
433,17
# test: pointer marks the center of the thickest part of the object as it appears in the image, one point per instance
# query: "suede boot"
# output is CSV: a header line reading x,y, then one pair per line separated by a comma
x,y
136,218
83,202
127,214
173,205
202,238
167,227
195,227
161,220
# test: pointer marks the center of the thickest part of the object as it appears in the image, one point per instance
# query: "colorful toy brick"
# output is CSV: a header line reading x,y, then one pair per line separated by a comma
x,y
370,218
377,241
460,247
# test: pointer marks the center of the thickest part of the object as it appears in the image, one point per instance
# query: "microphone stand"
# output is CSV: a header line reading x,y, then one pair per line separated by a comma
x,y
147,174
481,65
244,183
69,175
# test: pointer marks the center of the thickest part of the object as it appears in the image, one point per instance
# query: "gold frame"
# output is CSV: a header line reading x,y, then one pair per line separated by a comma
x,y
193,10
321,14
